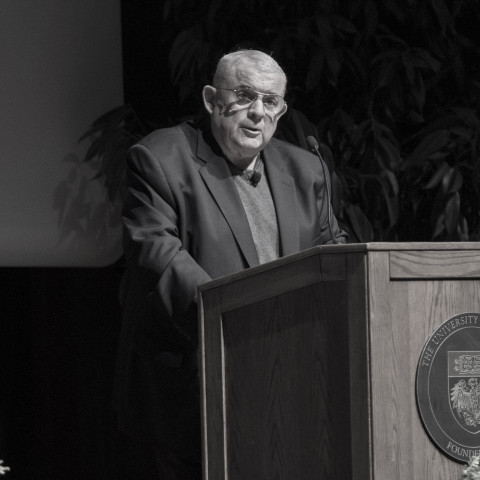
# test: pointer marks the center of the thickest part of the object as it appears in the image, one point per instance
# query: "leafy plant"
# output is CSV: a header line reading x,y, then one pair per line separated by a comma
x,y
390,88
110,136
472,470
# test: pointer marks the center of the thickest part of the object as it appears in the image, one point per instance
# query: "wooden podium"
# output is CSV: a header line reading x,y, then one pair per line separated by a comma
x,y
308,363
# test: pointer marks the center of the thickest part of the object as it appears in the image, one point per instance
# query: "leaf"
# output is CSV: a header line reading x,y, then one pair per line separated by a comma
x,y
302,128
439,226
181,57
360,223
461,133
371,17
344,24
167,8
409,69
314,73
429,145
469,117
442,13
452,211
336,193
453,181
392,6
112,120
415,117
393,153
324,28
214,8
356,66
392,179
419,92
389,201
112,117
421,58
462,229
386,74
93,150
438,176
390,54
334,60
355,182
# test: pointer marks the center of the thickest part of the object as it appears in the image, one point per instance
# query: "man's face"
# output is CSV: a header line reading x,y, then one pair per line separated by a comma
x,y
243,130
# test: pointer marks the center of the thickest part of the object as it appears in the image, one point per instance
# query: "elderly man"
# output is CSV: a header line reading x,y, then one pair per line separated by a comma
x,y
205,201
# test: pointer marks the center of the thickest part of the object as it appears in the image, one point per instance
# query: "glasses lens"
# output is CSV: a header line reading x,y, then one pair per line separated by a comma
x,y
245,96
273,103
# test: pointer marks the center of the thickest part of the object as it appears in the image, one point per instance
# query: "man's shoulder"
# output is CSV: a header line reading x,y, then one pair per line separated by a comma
x,y
287,146
174,149
294,160
164,138
289,152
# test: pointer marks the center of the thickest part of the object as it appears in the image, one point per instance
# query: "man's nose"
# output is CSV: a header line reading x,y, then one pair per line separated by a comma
x,y
257,109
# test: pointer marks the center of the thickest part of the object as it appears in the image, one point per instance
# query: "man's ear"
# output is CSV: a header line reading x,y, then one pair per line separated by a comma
x,y
208,94
282,112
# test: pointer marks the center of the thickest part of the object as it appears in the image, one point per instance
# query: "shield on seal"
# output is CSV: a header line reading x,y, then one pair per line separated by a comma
x,y
464,388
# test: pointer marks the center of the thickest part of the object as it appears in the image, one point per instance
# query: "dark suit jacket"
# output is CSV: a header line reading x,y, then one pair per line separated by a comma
x,y
184,224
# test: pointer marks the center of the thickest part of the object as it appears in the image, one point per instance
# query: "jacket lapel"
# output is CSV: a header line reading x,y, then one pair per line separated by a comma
x,y
282,187
219,181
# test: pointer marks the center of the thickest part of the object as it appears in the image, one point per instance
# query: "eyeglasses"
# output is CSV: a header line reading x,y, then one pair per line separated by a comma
x,y
246,96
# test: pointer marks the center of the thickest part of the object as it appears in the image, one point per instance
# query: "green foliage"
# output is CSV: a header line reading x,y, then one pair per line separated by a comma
x,y
390,87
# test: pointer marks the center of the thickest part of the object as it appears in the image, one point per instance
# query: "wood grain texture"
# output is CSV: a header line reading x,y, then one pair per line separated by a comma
x,y
359,367
402,318
274,348
309,362
285,392
211,379
434,264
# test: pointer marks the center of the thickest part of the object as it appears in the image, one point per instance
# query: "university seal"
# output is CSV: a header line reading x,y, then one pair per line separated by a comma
x,y
448,386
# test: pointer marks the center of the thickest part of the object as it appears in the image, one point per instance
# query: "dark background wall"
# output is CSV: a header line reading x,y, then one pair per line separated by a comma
x,y
58,334
146,44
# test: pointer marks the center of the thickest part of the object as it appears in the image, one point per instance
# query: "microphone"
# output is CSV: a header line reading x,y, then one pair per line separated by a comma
x,y
255,178
313,145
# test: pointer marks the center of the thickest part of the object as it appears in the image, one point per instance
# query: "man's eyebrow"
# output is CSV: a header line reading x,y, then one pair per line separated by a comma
x,y
248,87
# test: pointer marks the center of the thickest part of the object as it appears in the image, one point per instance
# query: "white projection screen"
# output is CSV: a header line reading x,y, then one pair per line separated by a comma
x,y
60,68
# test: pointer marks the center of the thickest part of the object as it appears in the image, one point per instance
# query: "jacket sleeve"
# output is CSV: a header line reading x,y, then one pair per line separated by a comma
x,y
152,241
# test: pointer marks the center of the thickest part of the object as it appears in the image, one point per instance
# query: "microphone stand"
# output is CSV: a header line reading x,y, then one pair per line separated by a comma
x,y
313,144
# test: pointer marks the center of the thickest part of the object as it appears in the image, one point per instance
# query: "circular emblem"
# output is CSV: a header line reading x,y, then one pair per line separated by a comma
x,y
448,386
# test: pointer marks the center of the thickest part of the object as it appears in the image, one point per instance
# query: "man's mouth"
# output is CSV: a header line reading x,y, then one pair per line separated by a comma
x,y
251,131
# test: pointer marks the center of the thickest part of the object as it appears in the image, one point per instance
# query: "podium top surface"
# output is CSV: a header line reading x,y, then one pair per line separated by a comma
x,y
395,246
400,247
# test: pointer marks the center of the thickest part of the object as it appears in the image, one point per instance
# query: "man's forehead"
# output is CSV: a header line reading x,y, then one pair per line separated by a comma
x,y
254,77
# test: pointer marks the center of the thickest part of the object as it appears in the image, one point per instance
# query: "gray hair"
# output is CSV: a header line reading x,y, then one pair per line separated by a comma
x,y
256,58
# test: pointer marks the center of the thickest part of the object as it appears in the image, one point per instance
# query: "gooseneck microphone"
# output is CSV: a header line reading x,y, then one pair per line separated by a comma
x,y
313,145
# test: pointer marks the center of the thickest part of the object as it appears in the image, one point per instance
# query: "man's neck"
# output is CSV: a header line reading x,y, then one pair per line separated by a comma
x,y
244,163
251,166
